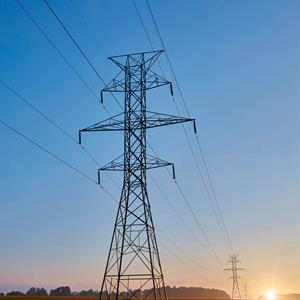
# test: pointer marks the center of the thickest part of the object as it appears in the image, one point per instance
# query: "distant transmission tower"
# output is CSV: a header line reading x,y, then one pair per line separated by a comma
x,y
236,294
133,261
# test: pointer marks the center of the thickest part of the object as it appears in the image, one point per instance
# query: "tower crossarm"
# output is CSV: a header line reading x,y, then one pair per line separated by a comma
x,y
118,83
134,59
132,63
153,119
152,162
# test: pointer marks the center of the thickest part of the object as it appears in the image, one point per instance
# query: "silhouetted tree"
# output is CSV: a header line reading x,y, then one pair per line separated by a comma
x,y
61,291
192,292
88,293
36,292
15,293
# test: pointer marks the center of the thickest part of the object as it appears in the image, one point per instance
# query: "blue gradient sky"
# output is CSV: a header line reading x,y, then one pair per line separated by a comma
x,y
237,64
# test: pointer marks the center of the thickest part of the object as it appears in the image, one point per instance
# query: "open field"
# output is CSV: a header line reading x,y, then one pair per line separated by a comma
x,y
79,298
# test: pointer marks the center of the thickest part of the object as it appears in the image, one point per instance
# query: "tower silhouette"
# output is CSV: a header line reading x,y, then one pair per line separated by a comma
x,y
133,262
236,294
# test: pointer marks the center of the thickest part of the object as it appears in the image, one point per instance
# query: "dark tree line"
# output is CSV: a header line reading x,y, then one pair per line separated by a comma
x,y
60,291
173,292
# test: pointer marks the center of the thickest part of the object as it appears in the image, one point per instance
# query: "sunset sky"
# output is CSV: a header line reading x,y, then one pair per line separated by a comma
x,y
238,66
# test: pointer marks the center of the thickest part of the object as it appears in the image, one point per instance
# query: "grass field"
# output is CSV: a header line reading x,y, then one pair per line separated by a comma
x,y
78,298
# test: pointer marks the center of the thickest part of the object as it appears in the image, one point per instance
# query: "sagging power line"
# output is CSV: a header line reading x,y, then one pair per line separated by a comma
x,y
46,1
89,62
215,205
73,69
69,136
89,178
61,23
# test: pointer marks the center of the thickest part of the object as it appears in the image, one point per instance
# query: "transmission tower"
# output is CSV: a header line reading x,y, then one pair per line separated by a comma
x,y
133,262
236,294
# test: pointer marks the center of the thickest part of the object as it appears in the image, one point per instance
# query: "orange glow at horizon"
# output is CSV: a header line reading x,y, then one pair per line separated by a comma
x,y
271,294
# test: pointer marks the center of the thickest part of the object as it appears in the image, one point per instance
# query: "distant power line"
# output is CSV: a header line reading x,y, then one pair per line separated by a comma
x,y
52,122
28,139
42,31
78,47
84,21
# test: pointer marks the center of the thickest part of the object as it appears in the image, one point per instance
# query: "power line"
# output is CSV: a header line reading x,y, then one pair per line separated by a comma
x,y
65,60
193,214
57,126
42,148
75,72
57,49
27,102
177,109
181,251
195,262
199,225
195,218
75,169
73,40
76,44
143,25
217,209
174,244
216,212
47,151
173,208
167,56
214,194
78,47
72,68
146,33
61,54
80,15
84,55
64,28
181,260
20,97
42,114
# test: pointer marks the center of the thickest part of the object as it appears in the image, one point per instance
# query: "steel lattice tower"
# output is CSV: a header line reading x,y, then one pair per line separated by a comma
x,y
236,294
133,262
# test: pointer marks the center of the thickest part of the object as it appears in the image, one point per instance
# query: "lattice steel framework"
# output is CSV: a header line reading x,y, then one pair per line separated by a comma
x,y
236,294
133,269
